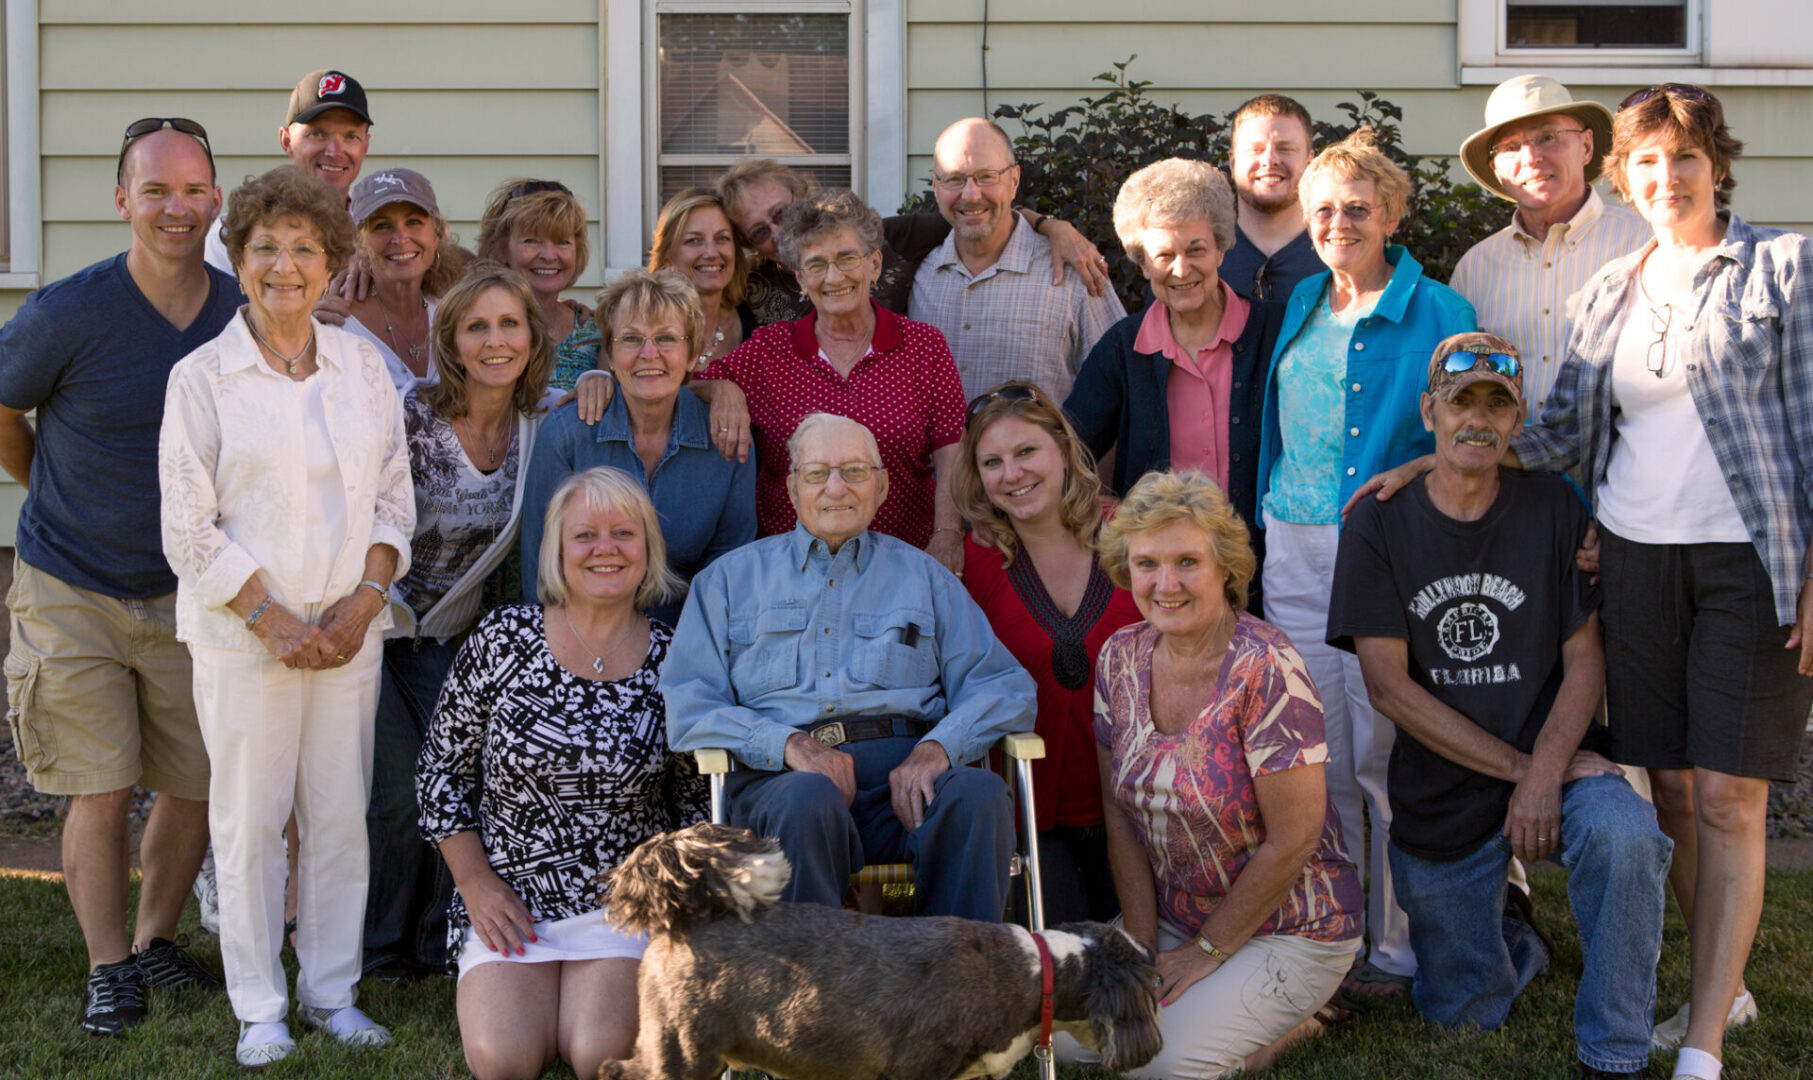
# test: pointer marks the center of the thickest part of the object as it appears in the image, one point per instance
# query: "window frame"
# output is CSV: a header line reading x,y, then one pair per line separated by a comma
x,y
1693,19
22,206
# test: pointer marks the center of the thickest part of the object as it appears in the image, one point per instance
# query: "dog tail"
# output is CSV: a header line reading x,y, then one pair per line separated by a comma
x,y
676,880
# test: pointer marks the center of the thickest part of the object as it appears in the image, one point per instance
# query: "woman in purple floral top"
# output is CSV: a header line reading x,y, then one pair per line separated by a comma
x,y
1227,857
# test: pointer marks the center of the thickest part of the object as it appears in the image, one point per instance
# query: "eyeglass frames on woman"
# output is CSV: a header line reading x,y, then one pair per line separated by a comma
x,y
846,265
1503,363
1660,319
138,129
1356,212
1010,392
1684,91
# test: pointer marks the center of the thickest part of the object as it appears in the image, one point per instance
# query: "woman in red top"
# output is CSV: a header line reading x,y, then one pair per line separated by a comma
x,y
1028,489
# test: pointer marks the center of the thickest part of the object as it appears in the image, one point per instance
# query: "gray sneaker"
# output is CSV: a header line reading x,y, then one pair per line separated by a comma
x,y
116,998
207,894
167,964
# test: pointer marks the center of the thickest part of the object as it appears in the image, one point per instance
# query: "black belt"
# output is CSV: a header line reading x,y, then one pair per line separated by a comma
x,y
862,729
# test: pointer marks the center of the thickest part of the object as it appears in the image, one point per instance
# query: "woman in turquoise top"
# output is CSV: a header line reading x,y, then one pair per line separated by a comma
x,y
1341,403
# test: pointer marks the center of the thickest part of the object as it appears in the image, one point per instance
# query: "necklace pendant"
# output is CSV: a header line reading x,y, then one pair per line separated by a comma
x,y
415,352
598,664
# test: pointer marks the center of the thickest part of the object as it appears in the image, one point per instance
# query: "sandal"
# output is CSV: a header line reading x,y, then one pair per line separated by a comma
x,y
1369,982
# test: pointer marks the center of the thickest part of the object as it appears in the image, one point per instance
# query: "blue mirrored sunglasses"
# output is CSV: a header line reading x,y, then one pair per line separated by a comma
x,y
1503,363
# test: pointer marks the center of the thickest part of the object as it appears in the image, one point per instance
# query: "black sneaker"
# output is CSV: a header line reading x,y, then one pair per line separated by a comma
x,y
116,998
167,965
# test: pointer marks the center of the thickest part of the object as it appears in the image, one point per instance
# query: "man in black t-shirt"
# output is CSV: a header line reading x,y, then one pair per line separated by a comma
x,y
1479,637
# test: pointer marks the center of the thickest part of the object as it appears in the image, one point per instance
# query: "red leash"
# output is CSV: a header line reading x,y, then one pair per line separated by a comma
x,y
1043,1047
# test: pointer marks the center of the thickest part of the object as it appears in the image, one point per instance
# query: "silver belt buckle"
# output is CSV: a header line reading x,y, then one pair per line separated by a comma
x,y
831,734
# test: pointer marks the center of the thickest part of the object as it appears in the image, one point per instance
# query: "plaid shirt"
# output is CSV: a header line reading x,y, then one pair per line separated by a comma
x,y
1010,321
1748,353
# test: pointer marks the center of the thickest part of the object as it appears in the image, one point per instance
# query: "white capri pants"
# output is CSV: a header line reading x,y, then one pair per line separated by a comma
x,y
1269,986
279,740
1299,577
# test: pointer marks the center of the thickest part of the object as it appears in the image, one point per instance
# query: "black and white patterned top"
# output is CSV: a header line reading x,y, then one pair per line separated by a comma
x,y
459,510
561,776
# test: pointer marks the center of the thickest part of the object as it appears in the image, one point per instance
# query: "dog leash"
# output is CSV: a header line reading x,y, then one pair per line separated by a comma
x,y
1042,1048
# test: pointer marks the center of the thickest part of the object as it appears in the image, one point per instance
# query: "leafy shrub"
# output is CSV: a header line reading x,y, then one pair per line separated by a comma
x,y
1072,163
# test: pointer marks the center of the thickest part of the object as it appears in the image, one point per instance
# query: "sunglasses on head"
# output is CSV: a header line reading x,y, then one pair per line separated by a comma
x,y
535,187
140,128
1503,363
1010,392
1674,89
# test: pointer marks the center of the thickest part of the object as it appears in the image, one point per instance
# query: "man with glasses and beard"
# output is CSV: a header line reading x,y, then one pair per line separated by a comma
x,y
1478,636
100,689
988,288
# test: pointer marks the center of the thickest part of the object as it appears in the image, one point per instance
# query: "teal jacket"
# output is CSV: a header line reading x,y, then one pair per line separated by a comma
x,y
1387,371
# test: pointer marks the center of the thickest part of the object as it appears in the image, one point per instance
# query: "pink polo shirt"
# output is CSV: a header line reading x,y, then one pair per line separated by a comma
x,y
1198,388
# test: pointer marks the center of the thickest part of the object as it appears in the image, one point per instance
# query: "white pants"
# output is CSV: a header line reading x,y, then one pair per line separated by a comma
x,y
1299,575
280,740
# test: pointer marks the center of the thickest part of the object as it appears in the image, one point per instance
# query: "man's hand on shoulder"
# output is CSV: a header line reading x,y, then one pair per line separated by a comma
x,y
914,782
806,754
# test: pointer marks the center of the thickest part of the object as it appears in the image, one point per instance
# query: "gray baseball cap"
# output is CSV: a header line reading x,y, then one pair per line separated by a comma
x,y
380,189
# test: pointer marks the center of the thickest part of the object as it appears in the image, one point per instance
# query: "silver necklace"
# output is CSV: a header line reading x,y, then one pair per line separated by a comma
x,y
717,339
597,658
288,361
414,351
492,447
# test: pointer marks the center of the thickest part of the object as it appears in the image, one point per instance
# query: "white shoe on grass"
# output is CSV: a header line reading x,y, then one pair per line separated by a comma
x,y
1670,1032
347,1025
262,1044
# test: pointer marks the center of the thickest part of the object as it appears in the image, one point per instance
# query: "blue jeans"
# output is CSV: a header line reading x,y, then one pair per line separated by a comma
x,y
1472,961
960,853
406,907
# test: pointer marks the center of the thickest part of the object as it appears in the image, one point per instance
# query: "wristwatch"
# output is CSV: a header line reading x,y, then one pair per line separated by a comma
x,y
1209,947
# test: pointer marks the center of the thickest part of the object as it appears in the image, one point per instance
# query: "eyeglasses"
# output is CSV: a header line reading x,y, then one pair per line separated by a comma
x,y
1660,318
535,187
1356,212
1684,91
1010,392
763,230
1543,142
983,178
1503,363
302,252
853,472
632,343
846,264
140,128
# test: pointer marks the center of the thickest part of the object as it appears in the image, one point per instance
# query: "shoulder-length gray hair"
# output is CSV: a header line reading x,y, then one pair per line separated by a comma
x,y
603,488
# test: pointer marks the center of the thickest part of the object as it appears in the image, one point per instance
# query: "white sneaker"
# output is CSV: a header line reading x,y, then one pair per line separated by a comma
x,y
1670,1032
262,1044
207,894
347,1025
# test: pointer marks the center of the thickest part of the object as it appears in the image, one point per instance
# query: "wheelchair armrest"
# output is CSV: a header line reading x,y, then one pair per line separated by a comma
x,y
1023,745
713,761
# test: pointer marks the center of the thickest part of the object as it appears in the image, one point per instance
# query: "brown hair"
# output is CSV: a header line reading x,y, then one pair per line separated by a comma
x,y
1677,121
749,172
1273,105
1358,157
1161,498
448,397
449,265
672,223
287,191
553,211
1081,506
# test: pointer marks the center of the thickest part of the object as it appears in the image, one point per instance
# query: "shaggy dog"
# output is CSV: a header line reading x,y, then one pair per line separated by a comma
x,y
813,993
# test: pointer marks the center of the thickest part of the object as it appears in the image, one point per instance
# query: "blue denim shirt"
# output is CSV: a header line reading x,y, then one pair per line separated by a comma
x,y
1387,371
783,634
706,505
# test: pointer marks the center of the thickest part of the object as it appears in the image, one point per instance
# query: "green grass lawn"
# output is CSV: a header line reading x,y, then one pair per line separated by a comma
x,y
191,1034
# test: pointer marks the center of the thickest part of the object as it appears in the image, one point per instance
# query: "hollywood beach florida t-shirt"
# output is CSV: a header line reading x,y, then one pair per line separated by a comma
x,y
1485,607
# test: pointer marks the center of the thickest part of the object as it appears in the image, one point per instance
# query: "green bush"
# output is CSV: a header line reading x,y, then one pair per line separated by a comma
x,y
1072,163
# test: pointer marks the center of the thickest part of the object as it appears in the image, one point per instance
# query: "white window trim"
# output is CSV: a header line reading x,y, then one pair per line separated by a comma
x,y
1484,61
631,185
24,209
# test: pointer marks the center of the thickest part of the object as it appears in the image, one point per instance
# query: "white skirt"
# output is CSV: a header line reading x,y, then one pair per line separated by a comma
x,y
581,937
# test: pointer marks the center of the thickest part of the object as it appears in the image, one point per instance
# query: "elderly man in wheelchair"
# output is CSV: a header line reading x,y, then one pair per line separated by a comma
x,y
852,677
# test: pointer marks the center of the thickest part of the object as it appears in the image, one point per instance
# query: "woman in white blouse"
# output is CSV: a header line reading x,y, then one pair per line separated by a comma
x,y
287,510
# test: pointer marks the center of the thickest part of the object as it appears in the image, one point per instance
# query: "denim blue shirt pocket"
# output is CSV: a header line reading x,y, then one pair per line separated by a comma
x,y
764,650
897,648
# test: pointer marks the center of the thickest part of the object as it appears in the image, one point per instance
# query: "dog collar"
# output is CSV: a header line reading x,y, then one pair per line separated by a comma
x,y
1043,1047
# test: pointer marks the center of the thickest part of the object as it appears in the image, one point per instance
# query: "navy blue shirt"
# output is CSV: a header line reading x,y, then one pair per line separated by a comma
x,y
92,355
1257,276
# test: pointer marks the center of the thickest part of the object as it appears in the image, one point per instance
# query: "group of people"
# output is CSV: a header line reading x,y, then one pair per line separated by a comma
x,y
418,588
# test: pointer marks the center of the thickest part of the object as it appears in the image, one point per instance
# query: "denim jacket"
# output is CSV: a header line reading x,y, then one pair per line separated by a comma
x,y
706,505
1387,371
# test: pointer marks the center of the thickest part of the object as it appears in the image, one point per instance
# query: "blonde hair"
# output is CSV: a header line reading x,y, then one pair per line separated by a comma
x,y
1358,157
1173,192
650,295
448,397
603,488
1161,498
672,223
553,211
449,265
1080,507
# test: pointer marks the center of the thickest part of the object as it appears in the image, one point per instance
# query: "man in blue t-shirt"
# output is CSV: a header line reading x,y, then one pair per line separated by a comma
x,y
99,687
1478,635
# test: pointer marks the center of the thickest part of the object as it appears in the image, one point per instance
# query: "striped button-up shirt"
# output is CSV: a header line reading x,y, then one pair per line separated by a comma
x,y
1525,289
1010,321
1747,347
